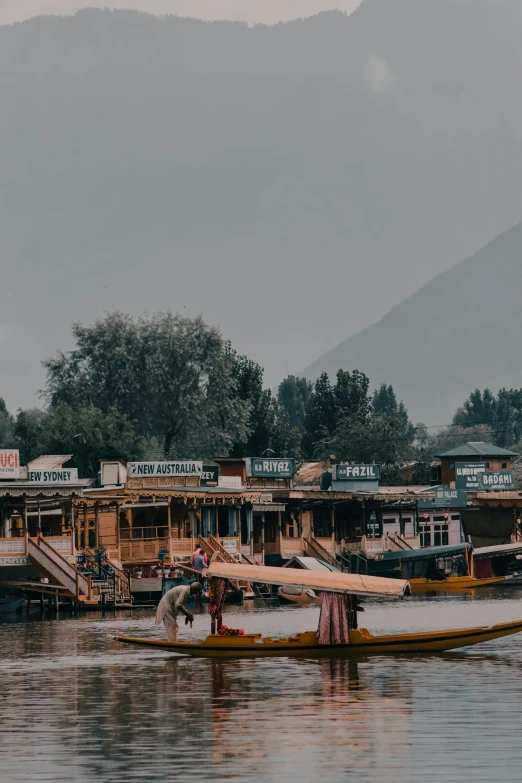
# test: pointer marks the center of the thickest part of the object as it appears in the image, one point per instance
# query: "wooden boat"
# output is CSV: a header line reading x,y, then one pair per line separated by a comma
x,y
298,595
11,603
361,642
443,567
305,644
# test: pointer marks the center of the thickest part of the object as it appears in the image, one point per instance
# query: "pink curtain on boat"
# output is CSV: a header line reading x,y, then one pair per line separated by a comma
x,y
333,620
217,589
482,569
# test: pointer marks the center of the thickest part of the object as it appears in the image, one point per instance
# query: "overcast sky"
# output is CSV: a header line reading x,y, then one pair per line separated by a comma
x,y
266,11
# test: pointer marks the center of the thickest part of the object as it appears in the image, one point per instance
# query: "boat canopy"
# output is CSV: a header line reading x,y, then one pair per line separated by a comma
x,y
317,580
422,554
497,551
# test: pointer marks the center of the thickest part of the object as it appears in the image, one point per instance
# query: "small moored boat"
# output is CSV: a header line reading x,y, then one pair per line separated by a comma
x,y
340,609
297,595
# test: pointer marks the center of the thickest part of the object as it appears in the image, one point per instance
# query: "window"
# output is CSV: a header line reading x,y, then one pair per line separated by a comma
x,y
389,520
440,535
504,465
425,535
439,519
455,517
487,465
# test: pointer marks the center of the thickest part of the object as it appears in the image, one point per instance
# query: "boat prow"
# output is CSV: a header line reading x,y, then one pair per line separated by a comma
x,y
306,644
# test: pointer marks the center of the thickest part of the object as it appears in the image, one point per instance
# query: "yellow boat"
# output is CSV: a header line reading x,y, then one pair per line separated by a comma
x,y
439,565
361,642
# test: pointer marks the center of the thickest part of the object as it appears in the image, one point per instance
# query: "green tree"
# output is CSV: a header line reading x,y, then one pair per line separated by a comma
x,y
30,433
293,394
7,427
261,417
90,435
320,417
173,377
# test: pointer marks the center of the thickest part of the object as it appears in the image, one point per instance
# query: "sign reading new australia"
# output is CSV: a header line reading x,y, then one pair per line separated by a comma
x,y
153,469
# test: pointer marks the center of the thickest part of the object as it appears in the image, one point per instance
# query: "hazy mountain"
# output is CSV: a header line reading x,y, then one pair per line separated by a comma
x,y
459,332
251,11
291,182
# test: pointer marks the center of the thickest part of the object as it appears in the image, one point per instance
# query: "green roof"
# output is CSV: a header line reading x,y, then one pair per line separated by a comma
x,y
477,448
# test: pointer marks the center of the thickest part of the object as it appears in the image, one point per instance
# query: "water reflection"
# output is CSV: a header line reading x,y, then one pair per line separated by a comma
x,y
78,706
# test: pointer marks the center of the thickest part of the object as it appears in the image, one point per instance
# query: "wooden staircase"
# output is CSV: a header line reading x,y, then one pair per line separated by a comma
x,y
105,585
60,571
214,550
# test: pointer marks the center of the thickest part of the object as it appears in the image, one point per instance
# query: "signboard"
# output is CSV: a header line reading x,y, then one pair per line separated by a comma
x,y
497,479
230,482
57,476
446,497
272,468
210,475
9,464
467,475
148,469
230,545
356,472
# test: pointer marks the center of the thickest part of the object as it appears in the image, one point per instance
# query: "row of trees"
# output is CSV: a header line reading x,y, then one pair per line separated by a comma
x,y
166,386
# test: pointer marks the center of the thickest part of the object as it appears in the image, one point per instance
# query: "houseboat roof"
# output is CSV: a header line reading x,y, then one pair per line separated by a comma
x,y
316,580
476,448
49,461
497,551
309,564
421,554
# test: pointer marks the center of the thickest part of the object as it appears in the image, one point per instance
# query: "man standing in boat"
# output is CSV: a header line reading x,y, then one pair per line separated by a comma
x,y
171,605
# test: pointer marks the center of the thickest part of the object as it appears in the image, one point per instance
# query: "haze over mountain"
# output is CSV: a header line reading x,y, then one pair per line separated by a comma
x,y
460,331
292,183
251,11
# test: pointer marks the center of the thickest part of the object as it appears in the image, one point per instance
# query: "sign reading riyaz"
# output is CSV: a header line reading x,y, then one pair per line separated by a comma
x,y
57,476
148,469
9,463
497,479
357,472
272,468
467,474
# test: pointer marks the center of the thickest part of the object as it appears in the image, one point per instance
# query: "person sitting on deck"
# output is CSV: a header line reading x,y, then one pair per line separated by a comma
x,y
171,605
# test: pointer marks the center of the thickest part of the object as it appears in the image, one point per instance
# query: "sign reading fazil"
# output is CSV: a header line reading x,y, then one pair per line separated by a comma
x,y
272,468
9,463
446,497
497,479
357,472
148,469
58,476
467,474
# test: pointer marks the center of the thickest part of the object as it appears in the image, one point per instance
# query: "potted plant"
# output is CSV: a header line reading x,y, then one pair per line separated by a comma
x,y
139,572
166,571
159,570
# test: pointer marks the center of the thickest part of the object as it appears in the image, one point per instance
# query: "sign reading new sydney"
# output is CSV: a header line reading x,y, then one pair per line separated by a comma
x,y
57,476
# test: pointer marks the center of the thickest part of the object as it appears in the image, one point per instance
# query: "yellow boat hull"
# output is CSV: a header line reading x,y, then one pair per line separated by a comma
x,y
452,583
306,644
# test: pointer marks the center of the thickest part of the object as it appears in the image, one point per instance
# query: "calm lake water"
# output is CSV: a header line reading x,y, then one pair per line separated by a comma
x,y
77,706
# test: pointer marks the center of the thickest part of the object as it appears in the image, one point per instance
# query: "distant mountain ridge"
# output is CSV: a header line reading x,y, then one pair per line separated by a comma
x,y
292,183
460,331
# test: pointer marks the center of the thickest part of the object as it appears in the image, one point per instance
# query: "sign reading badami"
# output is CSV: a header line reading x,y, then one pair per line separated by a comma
x,y
152,469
